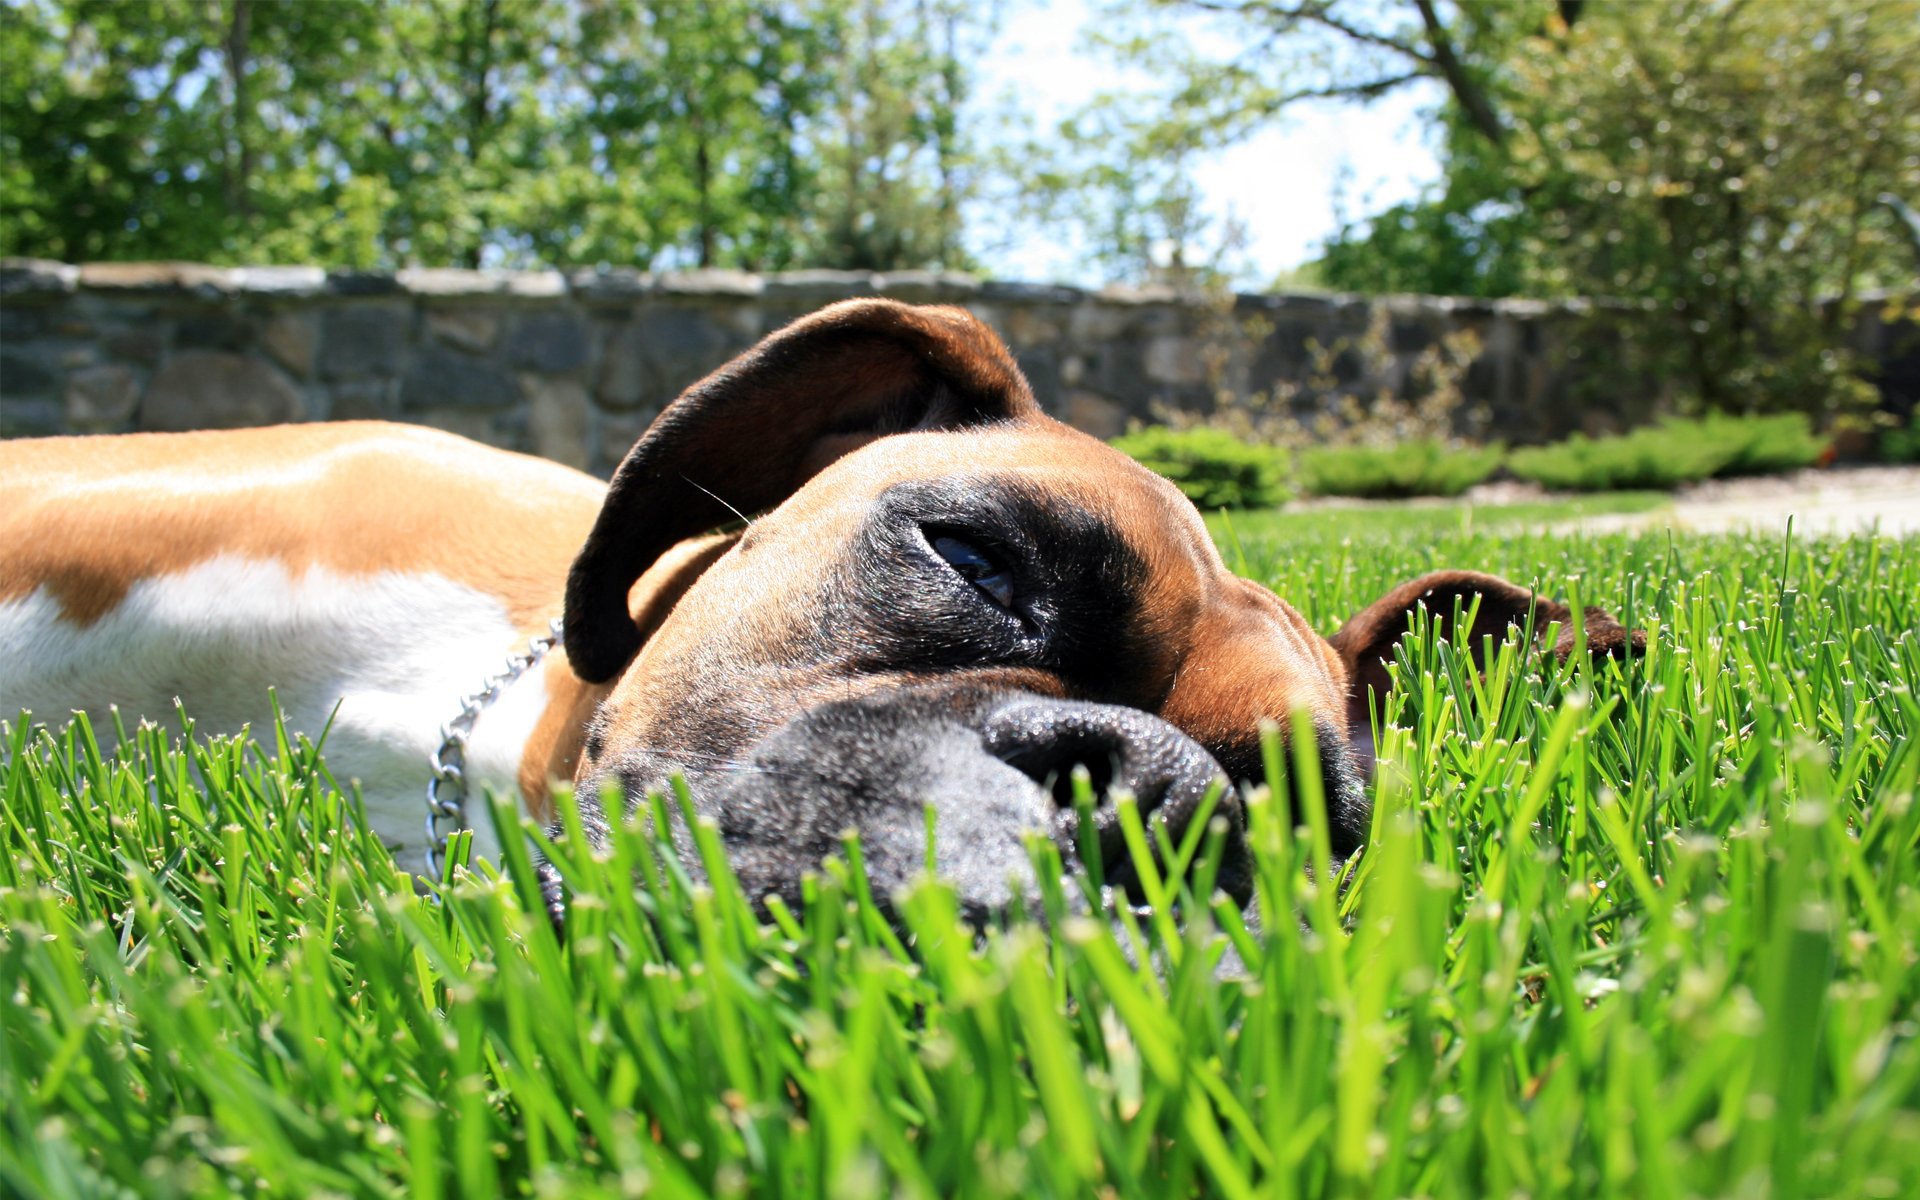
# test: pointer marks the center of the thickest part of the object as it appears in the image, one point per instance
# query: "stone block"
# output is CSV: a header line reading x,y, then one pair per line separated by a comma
x,y
142,344
1153,293
1176,360
504,430
213,389
557,419
474,329
1041,366
710,282
196,278
614,434
1098,322
213,329
363,341
1010,292
549,342
101,399
362,400
450,281
928,287
21,321
21,376
603,285
1090,412
536,285
1118,371
36,417
652,358
446,379
363,283
1023,325
280,281
36,277
819,286
291,338
624,379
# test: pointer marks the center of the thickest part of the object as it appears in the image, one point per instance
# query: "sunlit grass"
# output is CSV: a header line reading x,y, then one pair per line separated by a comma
x,y
1651,932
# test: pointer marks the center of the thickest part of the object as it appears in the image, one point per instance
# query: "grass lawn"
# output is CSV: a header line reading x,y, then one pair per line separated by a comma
x,y
1645,933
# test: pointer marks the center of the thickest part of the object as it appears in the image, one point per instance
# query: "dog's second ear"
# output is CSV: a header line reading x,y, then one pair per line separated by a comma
x,y
1365,643
748,435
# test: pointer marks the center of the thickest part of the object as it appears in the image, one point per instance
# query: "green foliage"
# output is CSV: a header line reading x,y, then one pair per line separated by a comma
x,y
1614,925
1720,164
1213,467
1710,171
1761,445
1672,453
486,132
1659,456
1424,467
1902,445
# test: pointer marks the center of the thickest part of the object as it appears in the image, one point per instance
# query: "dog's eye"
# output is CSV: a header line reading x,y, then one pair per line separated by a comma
x,y
976,568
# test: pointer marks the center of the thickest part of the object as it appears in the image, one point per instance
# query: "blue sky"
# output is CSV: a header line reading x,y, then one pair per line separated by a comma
x,y
1280,185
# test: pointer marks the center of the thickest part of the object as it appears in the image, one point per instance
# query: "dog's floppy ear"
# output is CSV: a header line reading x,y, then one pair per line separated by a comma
x,y
1365,643
748,435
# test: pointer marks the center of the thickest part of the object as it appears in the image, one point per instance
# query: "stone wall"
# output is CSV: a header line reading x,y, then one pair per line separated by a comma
x,y
573,366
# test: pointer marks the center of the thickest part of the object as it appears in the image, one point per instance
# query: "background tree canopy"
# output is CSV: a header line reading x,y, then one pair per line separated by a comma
x,y
1736,169
463,132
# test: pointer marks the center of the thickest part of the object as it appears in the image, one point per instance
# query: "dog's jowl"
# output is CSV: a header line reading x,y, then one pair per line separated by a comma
x,y
942,597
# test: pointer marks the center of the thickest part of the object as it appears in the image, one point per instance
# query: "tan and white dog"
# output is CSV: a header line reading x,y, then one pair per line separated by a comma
x,y
946,598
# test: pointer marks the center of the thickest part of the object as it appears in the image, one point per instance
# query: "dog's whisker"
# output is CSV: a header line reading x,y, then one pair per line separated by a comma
x,y
730,508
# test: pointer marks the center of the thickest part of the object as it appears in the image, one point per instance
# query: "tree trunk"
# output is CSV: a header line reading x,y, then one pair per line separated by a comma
x,y
1472,97
238,175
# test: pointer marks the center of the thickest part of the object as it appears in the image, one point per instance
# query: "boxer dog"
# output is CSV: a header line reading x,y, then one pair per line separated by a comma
x,y
936,595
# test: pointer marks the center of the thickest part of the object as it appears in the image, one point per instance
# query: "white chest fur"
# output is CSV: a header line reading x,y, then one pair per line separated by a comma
x,y
395,651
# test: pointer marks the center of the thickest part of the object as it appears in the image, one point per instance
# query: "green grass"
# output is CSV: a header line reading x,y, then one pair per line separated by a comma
x,y
1333,524
1644,934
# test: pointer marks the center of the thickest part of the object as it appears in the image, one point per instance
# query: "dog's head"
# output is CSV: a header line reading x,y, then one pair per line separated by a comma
x,y
946,598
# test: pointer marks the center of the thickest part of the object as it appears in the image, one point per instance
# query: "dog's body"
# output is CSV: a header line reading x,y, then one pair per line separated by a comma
x,y
950,599
385,569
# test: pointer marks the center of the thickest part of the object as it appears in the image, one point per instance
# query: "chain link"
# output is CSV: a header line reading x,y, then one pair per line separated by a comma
x,y
447,789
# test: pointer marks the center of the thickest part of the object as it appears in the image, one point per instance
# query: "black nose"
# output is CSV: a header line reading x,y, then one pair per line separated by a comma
x,y
1123,749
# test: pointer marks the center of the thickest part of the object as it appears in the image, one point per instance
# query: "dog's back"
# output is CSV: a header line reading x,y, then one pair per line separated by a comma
x,y
387,568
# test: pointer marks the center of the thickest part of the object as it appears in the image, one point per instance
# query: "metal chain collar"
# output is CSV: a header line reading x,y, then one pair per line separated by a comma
x,y
447,789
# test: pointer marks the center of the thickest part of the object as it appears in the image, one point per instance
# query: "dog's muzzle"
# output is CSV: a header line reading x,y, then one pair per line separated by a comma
x,y
994,767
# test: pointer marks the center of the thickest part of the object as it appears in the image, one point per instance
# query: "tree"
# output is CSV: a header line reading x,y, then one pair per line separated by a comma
x,y
1120,169
889,153
753,133
1723,162
1716,163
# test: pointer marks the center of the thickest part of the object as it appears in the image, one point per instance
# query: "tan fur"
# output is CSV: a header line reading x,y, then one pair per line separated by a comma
x,y
87,517
553,752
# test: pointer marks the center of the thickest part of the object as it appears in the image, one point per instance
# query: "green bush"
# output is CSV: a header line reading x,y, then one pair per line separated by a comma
x,y
1672,453
1902,445
1214,468
1660,456
1418,468
1760,445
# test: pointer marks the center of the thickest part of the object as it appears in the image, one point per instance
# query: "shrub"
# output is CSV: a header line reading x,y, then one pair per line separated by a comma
x,y
1660,456
1427,467
1902,445
1214,468
1760,445
1672,453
